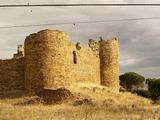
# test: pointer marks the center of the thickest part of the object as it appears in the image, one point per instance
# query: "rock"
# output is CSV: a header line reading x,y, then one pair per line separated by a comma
x,y
83,101
50,96
122,89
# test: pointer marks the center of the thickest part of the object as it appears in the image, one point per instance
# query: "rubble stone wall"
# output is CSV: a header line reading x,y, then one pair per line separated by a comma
x,y
11,74
87,67
50,60
109,63
46,60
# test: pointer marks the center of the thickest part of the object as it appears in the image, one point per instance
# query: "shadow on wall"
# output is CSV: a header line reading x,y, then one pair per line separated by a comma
x,y
12,94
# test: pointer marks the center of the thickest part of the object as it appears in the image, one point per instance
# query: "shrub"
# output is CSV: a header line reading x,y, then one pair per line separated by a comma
x,y
131,79
154,87
143,93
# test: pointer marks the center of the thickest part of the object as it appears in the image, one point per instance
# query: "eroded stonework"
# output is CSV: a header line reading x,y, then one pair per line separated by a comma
x,y
50,60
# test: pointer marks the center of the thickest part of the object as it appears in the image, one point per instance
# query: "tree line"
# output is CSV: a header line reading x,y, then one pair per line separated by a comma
x,y
136,83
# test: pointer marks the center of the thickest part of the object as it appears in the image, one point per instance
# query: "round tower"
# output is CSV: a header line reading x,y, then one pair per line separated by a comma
x,y
109,63
46,60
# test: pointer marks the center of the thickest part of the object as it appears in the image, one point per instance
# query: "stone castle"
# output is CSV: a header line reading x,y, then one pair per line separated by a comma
x,y
49,60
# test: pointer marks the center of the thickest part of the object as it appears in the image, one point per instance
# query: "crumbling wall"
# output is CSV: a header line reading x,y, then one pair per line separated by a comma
x,y
109,63
20,52
46,60
94,45
52,61
11,74
86,69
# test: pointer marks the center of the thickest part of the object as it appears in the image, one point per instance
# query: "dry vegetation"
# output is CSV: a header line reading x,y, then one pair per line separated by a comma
x,y
89,104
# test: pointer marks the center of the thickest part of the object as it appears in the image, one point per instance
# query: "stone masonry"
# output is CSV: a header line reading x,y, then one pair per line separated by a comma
x,y
12,74
50,60
46,60
109,62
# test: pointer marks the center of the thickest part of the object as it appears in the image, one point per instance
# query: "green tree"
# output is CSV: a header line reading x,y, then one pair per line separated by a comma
x,y
154,87
131,79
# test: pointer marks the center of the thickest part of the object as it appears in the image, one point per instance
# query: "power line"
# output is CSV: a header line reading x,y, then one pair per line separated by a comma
x,y
83,22
77,4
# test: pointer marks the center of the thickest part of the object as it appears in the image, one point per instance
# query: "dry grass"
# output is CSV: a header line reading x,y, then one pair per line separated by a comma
x,y
106,105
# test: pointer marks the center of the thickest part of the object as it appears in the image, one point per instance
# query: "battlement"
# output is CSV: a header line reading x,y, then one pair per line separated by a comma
x,y
112,40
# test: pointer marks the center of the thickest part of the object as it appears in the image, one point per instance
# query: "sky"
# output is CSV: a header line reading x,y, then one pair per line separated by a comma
x,y
139,40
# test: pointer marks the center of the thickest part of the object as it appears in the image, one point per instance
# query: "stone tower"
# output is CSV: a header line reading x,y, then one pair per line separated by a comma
x,y
109,63
46,60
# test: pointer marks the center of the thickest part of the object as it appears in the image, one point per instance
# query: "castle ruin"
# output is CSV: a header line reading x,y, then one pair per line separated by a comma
x,y
49,60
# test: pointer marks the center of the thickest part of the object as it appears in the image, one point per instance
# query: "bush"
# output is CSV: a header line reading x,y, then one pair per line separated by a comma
x,y
154,87
143,93
131,79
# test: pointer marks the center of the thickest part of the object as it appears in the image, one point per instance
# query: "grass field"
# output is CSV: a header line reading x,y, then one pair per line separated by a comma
x,y
105,105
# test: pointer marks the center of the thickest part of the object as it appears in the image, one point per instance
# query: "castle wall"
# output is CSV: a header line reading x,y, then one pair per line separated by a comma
x,y
87,67
109,63
50,60
46,60
11,74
